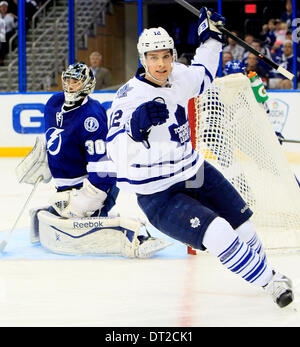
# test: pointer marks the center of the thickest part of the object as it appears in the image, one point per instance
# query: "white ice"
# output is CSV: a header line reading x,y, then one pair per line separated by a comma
x,y
170,290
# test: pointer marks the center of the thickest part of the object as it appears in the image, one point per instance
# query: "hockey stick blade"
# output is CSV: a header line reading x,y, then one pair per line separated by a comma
x,y
4,243
241,42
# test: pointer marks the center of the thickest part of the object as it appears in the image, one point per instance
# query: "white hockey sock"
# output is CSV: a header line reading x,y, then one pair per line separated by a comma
x,y
247,233
221,240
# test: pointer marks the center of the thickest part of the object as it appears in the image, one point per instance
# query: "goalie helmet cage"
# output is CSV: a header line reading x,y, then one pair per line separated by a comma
x,y
233,132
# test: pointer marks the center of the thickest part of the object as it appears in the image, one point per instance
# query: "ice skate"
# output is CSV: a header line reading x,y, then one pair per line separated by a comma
x,y
280,288
149,246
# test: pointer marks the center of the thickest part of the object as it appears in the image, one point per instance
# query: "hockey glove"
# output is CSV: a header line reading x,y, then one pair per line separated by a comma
x,y
149,114
207,28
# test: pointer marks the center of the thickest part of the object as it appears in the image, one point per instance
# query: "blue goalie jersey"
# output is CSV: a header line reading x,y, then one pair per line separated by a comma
x,y
76,144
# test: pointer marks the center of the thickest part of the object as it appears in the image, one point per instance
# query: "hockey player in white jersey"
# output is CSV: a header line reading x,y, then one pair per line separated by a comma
x,y
182,195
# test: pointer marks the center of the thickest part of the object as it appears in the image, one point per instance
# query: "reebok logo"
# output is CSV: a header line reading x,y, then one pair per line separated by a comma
x,y
77,225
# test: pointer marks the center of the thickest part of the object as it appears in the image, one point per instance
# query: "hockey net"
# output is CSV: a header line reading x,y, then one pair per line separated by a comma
x,y
232,130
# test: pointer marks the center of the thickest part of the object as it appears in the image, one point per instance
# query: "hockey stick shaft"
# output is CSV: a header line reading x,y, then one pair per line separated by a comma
x,y
241,42
290,141
4,243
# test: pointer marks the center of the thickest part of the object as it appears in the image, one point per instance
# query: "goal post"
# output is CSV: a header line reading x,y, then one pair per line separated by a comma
x,y
232,130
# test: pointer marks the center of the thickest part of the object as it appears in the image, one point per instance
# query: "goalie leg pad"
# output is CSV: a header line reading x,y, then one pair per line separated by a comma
x,y
34,223
88,236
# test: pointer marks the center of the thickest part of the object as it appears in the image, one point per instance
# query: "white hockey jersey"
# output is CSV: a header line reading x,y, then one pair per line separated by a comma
x,y
169,158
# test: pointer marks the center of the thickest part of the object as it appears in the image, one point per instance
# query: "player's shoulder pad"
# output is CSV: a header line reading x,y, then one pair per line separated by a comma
x,y
56,99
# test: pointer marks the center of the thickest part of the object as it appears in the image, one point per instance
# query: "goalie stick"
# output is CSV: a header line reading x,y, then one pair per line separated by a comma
x,y
242,43
4,243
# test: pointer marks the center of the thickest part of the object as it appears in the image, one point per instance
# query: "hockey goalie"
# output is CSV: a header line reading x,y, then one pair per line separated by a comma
x,y
74,154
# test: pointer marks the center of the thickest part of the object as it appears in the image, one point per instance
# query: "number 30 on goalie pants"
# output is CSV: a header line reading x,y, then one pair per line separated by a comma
x,y
185,213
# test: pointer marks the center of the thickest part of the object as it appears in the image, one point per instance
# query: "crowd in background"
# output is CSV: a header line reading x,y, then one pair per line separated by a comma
x,y
9,21
275,41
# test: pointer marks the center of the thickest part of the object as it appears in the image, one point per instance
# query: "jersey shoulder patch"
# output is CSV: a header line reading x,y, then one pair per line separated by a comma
x,y
91,124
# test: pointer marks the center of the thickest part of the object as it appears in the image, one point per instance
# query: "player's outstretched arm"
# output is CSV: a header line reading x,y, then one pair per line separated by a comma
x,y
205,63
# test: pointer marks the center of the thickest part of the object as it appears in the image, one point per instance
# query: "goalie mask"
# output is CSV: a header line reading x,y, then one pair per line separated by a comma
x,y
78,81
154,39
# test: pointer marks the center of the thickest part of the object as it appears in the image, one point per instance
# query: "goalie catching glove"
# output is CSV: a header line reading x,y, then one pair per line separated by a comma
x,y
207,25
79,202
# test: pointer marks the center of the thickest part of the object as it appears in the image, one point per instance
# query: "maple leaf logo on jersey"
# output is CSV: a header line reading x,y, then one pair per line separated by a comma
x,y
195,222
122,93
180,132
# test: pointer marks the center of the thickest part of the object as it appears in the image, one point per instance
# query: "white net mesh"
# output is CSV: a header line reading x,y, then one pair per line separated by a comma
x,y
234,133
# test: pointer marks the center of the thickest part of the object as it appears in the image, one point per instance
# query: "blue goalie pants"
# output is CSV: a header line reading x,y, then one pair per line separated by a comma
x,y
184,213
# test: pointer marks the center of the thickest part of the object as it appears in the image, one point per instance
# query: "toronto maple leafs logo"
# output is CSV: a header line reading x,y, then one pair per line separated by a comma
x,y
180,132
195,222
122,93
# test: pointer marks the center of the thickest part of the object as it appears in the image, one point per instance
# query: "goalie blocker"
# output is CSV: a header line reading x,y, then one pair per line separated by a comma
x,y
92,236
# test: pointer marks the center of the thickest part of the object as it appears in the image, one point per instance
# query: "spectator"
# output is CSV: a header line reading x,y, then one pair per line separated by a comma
x,y
285,60
289,36
252,65
256,44
10,26
102,74
226,57
281,30
236,50
31,7
249,38
267,36
9,18
287,15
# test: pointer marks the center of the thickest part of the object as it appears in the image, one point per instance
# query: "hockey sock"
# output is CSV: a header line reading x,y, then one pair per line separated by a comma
x,y
247,233
221,240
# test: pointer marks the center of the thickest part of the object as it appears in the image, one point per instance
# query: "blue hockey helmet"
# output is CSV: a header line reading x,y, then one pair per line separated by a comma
x,y
234,66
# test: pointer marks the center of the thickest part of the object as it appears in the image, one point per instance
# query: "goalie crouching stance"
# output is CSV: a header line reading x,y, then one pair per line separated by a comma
x,y
77,221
